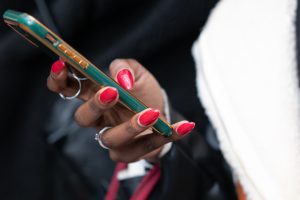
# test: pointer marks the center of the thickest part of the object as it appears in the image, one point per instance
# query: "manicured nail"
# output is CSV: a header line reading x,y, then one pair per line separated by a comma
x,y
148,117
57,66
125,79
108,95
185,128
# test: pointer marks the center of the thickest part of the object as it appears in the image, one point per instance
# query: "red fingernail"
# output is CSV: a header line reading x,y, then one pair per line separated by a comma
x,y
125,79
108,95
148,117
185,128
58,66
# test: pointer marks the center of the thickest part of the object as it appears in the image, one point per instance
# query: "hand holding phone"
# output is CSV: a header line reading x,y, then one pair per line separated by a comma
x,y
130,137
40,36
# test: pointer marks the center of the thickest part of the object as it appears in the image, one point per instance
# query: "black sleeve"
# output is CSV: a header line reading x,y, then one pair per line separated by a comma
x,y
193,170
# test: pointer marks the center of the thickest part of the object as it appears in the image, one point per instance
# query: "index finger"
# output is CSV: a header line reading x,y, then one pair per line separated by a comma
x,y
60,81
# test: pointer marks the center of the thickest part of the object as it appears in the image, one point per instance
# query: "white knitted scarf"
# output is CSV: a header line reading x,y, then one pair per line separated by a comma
x,y
247,82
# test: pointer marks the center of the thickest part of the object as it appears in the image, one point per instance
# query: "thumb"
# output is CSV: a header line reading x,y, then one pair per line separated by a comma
x,y
131,75
128,73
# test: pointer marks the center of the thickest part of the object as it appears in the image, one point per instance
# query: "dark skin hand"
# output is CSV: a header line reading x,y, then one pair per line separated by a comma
x,y
131,137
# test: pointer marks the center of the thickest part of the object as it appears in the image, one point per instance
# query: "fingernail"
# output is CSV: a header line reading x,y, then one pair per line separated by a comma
x,y
185,128
148,117
57,66
108,95
125,79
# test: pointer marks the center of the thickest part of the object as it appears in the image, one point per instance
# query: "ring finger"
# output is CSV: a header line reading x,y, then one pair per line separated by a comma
x,y
124,133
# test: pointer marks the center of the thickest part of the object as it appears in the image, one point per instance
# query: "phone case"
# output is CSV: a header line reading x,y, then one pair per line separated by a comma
x,y
40,36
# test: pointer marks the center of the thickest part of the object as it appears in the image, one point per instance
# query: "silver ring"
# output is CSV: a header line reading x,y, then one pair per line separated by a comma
x,y
98,136
79,78
79,88
82,78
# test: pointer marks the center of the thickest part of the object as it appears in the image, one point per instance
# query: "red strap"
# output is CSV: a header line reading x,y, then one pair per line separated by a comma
x,y
144,188
114,184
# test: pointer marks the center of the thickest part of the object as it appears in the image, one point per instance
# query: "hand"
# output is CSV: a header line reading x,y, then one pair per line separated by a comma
x,y
131,138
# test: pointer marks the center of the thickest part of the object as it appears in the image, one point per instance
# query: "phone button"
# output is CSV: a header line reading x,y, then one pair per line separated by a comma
x,y
62,47
75,57
83,64
70,53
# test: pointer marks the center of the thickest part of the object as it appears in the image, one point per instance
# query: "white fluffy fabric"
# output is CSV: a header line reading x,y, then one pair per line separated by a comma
x,y
247,82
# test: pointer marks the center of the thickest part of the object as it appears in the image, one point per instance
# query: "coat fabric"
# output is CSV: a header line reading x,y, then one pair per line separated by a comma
x,y
247,80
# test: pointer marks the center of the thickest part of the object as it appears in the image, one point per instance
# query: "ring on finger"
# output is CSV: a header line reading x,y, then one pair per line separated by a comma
x,y
98,136
78,91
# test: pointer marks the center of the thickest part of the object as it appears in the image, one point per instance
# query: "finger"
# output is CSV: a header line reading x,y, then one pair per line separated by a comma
x,y
89,112
154,141
181,129
58,76
123,73
151,142
143,81
59,81
124,133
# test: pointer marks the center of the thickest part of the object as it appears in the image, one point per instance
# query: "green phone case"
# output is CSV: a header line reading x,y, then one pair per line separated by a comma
x,y
42,37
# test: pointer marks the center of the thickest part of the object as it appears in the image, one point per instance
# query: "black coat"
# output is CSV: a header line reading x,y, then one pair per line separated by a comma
x,y
159,33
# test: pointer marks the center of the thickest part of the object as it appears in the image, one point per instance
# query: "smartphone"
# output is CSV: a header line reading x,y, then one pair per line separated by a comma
x,y
40,36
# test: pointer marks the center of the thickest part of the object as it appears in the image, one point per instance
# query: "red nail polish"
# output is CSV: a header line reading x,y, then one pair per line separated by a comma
x,y
57,66
185,128
148,117
108,95
125,79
